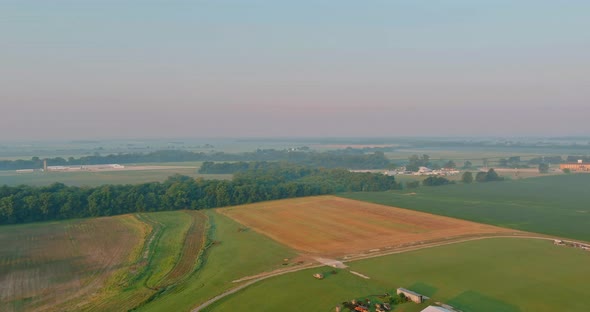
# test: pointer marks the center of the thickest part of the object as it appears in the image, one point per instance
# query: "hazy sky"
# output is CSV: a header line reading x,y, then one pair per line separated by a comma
x,y
121,69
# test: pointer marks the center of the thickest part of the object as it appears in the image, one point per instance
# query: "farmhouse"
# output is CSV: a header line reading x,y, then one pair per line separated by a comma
x,y
578,166
414,296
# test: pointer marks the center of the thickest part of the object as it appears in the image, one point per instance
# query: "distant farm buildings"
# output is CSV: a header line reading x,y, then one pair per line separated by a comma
x,y
423,171
25,170
73,168
85,167
577,166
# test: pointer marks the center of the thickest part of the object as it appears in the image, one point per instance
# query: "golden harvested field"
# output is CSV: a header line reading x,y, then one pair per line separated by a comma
x,y
330,225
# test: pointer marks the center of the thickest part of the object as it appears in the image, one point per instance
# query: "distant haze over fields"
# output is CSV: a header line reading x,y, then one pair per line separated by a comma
x,y
122,69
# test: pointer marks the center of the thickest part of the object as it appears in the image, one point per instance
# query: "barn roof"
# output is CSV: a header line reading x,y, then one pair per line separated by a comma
x,y
435,309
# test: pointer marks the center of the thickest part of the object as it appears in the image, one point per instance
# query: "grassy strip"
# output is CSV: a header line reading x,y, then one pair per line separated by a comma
x,y
193,244
158,257
192,257
229,254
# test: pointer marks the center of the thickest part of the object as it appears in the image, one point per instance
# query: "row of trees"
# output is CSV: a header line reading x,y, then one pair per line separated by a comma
x,y
346,158
436,181
23,203
482,176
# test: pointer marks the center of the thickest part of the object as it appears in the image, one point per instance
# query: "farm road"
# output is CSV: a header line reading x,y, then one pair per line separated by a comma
x,y
331,262
263,276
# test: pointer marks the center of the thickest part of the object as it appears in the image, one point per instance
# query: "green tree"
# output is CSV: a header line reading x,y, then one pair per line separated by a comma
x,y
492,175
489,176
450,165
467,177
481,176
543,168
435,181
412,184
415,162
6,209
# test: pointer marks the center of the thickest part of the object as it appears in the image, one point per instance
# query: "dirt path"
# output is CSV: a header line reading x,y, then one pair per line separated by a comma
x,y
263,276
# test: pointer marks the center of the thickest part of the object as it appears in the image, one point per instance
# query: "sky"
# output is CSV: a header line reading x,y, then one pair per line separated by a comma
x,y
157,69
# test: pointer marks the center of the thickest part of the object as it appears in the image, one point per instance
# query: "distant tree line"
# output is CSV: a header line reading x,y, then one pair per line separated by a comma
x,y
345,158
547,160
573,159
482,176
21,204
489,176
494,144
436,181
415,162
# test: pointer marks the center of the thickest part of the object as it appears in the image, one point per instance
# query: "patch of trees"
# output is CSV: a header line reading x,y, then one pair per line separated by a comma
x,y
210,167
412,184
415,162
573,159
21,204
543,168
435,181
467,177
489,176
345,158
545,159
512,162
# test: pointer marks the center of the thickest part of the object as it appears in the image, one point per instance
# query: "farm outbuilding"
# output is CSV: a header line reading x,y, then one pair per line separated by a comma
x,y
435,309
578,166
414,296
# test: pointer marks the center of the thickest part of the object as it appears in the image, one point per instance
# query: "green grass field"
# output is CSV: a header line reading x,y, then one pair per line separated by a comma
x,y
99,178
234,254
554,205
499,275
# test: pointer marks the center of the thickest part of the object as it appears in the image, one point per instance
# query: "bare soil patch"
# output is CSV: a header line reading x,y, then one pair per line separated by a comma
x,y
334,226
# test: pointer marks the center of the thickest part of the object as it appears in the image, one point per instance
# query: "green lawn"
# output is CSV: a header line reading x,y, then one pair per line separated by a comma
x,y
500,275
555,205
235,254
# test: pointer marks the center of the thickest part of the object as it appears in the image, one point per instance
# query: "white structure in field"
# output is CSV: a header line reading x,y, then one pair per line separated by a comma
x,y
436,309
414,296
85,167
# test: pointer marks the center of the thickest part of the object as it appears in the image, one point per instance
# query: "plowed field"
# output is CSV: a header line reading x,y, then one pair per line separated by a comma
x,y
330,225
45,264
